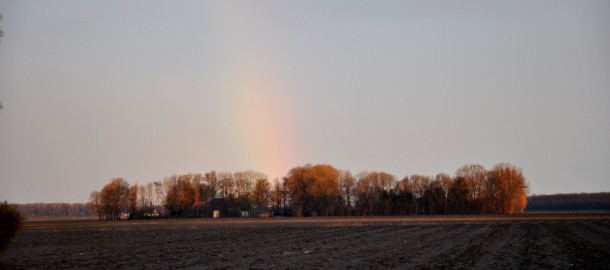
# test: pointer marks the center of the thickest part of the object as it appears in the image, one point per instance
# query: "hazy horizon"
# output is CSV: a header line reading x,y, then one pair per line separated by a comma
x,y
147,89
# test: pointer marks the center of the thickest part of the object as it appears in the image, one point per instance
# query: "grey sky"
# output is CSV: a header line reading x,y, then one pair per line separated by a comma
x,y
144,89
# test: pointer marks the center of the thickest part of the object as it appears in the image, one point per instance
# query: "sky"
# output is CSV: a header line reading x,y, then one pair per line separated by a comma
x,y
142,90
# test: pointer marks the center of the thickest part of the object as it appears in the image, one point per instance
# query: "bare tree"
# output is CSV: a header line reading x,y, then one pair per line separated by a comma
x,y
226,185
419,184
170,190
365,194
211,181
146,199
297,184
261,195
181,194
474,175
96,205
280,196
405,199
160,195
385,193
437,194
348,187
244,185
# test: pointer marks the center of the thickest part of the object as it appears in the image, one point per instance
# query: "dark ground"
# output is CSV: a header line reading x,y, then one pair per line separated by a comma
x,y
549,241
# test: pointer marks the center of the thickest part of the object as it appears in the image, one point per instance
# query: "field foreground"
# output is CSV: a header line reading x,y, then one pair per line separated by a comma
x,y
558,241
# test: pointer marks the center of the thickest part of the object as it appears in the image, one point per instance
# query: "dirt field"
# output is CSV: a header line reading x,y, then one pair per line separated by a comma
x,y
557,241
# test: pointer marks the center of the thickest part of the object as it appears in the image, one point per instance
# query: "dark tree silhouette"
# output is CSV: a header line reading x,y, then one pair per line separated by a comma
x,y
569,202
10,224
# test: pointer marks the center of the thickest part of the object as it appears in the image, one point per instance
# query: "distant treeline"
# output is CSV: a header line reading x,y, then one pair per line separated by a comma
x,y
317,190
55,210
575,201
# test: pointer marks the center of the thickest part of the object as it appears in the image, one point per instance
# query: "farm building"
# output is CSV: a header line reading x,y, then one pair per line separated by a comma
x,y
224,207
200,208
221,207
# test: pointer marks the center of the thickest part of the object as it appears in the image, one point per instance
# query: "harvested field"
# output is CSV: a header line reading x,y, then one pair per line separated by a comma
x,y
556,241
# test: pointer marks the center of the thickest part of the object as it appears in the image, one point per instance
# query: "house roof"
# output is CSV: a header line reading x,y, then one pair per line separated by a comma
x,y
199,204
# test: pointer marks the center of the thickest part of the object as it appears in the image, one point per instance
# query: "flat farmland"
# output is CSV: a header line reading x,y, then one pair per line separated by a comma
x,y
531,241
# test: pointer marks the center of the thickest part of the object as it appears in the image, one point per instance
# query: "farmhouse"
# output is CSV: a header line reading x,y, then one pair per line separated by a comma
x,y
199,208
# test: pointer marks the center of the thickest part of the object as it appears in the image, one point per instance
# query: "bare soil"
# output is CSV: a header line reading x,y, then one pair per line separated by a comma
x,y
540,241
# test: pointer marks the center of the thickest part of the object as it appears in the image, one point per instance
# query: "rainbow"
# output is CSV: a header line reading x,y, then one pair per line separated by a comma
x,y
262,124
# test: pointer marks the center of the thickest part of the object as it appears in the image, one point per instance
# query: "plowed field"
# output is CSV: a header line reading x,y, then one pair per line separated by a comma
x,y
543,241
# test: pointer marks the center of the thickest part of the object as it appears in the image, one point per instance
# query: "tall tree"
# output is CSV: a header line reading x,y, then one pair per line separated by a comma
x,y
96,205
437,194
226,185
325,189
244,185
419,183
315,190
365,194
458,197
146,199
261,195
404,202
211,181
512,188
348,187
280,196
113,198
132,200
474,175
298,185
385,193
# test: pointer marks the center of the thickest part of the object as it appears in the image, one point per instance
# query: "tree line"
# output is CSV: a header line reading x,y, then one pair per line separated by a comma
x,y
55,210
323,190
317,190
575,201
186,195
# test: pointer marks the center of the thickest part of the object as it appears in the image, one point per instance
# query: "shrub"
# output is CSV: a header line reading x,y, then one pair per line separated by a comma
x,y
10,223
